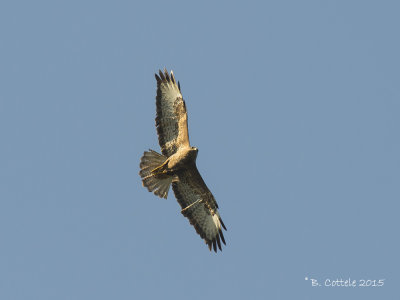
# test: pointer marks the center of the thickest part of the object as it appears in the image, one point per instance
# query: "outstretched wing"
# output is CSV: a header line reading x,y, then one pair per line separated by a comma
x,y
171,119
199,206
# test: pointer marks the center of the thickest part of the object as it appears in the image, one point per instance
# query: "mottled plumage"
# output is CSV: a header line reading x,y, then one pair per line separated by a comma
x,y
177,164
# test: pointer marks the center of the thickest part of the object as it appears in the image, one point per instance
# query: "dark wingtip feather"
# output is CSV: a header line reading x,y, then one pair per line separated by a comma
x,y
157,78
172,77
161,75
222,236
219,243
214,243
222,223
209,245
166,75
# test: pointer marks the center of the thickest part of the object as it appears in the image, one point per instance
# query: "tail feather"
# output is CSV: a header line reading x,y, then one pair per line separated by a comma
x,y
157,183
149,161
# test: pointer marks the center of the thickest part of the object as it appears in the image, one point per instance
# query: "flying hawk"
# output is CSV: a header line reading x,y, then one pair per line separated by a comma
x,y
177,164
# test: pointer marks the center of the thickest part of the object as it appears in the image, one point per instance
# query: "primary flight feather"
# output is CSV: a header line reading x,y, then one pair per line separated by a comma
x,y
176,165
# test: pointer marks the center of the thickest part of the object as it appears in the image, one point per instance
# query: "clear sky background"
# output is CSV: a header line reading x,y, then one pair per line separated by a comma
x,y
294,106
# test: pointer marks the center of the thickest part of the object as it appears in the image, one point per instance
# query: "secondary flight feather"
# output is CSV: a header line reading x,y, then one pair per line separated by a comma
x,y
176,165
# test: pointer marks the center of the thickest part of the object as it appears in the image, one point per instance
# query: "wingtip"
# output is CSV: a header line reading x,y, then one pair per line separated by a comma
x,y
222,223
222,236
163,75
167,75
219,243
157,78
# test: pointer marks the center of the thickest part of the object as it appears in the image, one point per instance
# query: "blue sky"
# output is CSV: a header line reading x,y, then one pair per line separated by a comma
x,y
294,106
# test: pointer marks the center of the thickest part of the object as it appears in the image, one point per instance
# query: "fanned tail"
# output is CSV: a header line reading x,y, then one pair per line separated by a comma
x,y
156,182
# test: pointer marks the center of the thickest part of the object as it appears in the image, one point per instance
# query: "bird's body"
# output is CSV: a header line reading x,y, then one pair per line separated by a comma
x,y
176,165
183,159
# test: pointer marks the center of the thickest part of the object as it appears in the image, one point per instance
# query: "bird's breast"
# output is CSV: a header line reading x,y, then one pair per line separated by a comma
x,y
182,159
